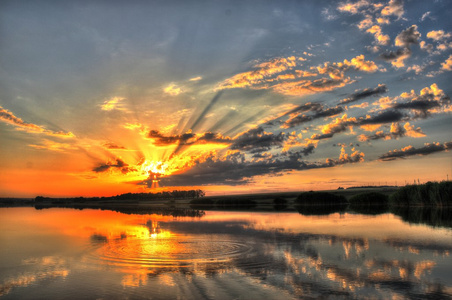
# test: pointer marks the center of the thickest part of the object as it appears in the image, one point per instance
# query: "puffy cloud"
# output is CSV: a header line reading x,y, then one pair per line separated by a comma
x,y
353,8
364,93
113,103
337,126
438,35
430,100
426,47
380,38
447,65
396,131
9,118
172,89
366,22
397,58
117,165
404,40
428,148
408,37
394,8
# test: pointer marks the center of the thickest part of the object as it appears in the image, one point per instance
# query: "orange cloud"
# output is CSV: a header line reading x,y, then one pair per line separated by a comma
x,y
353,8
113,103
9,118
266,76
307,87
394,7
172,90
438,35
54,146
262,71
447,65
413,132
382,39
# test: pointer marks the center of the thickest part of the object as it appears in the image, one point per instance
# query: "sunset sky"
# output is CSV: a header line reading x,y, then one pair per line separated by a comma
x,y
99,97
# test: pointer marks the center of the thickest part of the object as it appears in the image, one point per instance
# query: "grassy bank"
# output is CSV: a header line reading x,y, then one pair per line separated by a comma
x,y
429,194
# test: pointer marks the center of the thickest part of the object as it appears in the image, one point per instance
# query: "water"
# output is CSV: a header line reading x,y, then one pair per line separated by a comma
x,y
94,254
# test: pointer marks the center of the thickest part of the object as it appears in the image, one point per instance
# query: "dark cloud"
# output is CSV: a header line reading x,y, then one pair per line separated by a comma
x,y
113,146
428,148
364,93
393,55
408,37
387,116
186,138
234,169
319,112
118,164
257,140
422,106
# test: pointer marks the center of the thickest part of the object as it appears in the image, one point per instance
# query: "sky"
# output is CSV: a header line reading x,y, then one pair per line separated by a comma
x,y
99,98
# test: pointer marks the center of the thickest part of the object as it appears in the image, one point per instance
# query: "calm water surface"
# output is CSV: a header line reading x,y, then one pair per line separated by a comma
x,y
93,254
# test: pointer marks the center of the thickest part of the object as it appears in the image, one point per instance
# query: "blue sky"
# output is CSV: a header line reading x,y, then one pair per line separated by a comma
x,y
230,96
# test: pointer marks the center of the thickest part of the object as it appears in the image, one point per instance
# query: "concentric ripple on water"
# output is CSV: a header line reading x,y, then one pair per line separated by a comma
x,y
170,252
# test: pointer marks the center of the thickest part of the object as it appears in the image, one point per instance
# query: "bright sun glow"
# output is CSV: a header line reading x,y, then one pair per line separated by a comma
x,y
154,169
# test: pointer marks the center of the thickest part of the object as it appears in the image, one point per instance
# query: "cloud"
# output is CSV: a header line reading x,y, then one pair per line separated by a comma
x,y
438,35
118,164
430,100
262,72
408,37
187,138
380,38
364,93
404,40
307,87
235,169
426,15
337,126
9,118
113,146
396,131
396,58
113,103
54,146
394,8
353,8
447,65
257,140
319,112
428,148
195,78
172,90
281,76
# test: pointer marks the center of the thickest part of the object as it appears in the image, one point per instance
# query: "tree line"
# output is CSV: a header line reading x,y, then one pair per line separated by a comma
x,y
167,195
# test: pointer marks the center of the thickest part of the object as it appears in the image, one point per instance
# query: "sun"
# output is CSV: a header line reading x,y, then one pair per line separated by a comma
x,y
154,170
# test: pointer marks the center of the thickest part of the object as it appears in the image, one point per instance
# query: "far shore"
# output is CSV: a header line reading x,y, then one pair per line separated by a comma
x,y
262,200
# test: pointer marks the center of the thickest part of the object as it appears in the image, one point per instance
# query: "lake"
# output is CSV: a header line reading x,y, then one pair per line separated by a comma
x,y
62,253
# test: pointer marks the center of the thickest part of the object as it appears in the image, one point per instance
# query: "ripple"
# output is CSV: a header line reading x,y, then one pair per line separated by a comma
x,y
171,252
